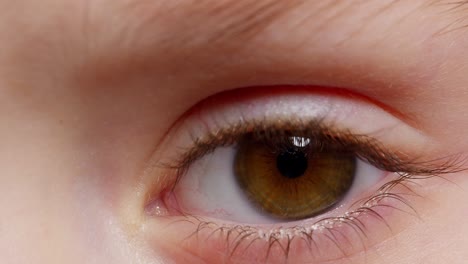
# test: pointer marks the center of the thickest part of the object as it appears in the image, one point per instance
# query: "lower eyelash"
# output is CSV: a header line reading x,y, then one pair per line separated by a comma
x,y
334,231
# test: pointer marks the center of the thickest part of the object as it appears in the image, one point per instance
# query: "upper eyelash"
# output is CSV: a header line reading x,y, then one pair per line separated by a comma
x,y
364,147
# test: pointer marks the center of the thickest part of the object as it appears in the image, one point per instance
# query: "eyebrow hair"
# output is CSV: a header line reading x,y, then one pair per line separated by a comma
x,y
246,19
234,19
141,31
459,11
243,20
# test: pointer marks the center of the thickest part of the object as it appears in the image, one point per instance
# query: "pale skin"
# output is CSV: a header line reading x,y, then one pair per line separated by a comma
x,y
90,91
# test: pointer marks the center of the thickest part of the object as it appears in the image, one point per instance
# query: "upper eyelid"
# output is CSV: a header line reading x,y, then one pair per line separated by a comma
x,y
223,132
252,93
236,96
327,102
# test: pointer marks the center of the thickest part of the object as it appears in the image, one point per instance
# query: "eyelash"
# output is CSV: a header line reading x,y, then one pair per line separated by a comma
x,y
364,147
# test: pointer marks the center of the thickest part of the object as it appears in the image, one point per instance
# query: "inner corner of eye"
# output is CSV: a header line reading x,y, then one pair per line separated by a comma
x,y
156,206
266,179
160,200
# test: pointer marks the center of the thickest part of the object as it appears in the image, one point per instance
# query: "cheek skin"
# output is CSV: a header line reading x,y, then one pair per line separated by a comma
x,y
440,235
52,211
67,160
41,213
64,180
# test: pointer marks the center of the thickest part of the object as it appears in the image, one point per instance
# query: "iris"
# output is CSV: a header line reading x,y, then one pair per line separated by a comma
x,y
293,177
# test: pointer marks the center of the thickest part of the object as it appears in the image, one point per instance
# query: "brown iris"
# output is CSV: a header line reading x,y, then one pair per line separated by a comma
x,y
293,177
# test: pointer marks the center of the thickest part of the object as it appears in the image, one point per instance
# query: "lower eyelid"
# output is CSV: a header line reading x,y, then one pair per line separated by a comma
x,y
215,241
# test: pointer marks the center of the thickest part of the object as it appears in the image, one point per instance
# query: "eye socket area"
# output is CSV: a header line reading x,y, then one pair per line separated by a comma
x,y
201,136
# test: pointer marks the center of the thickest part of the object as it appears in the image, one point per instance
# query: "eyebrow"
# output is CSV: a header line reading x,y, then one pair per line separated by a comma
x,y
458,10
248,18
144,30
215,21
245,19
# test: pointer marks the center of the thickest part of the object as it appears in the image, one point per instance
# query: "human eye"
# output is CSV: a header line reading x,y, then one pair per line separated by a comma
x,y
289,173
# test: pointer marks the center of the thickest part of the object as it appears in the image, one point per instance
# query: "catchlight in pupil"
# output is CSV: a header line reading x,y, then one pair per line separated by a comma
x,y
293,178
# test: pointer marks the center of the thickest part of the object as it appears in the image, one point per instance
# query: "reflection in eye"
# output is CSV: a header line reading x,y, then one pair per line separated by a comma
x,y
291,182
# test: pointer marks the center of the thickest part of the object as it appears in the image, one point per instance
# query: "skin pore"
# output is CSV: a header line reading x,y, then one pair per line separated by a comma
x,y
92,93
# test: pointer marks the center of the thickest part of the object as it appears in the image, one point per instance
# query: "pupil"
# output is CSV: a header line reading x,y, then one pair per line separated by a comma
x,y
292,164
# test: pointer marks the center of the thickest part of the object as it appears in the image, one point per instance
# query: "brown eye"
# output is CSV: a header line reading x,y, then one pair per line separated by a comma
x,y
293,177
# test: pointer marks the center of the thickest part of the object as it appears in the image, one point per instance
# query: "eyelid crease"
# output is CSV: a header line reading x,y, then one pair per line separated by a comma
x,y
252,93
258,92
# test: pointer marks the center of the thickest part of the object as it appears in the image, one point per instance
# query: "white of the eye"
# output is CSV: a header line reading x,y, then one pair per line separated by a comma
x,y
209,188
